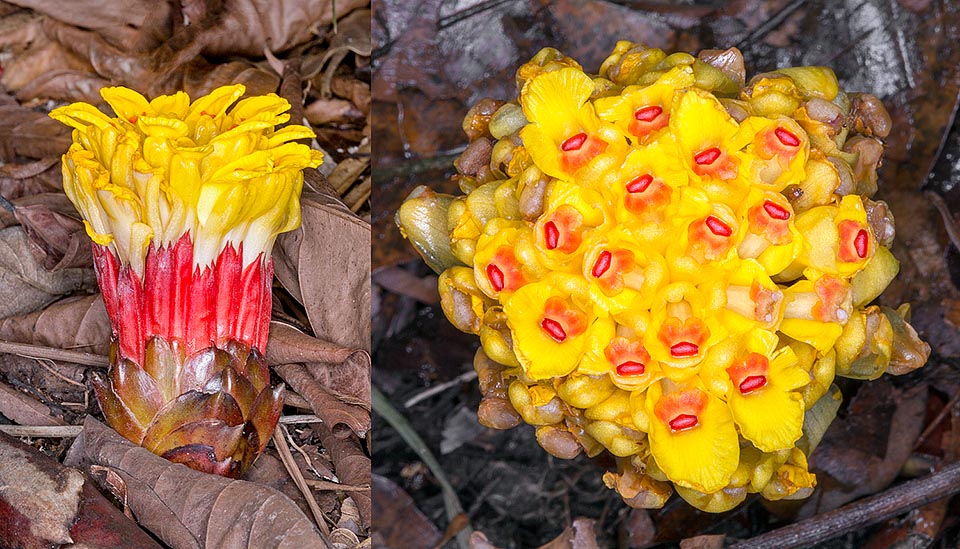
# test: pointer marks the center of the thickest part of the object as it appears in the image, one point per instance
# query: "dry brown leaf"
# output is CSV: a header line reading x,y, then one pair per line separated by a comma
x,y
26,180
245,27
357,91
23,410
331,408
579,535
42,56
341,370
58,239
399,522
329,111
326,266
24,132
25,285
78,323
39,497
100,525
351,463
187,508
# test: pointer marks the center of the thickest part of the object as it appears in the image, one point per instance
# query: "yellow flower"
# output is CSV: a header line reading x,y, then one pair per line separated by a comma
x,y
837,239
816,311
683,327
642,111
646,189
565,134
771,236
692,437
777,151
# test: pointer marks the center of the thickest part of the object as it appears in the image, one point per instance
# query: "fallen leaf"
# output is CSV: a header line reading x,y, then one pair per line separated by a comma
x,y
58,239
39,497
460,427
42,56
319,265
331,111
24,132
706,541
25,285
78,323
331,408
24,410
351,463
579,535
100,525
399,523
187,508
31,178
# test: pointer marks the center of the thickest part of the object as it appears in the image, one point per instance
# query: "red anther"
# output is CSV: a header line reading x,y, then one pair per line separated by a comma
x,y
554,329
648,114
684,349
707,157
752,383
786,137
860,243
602,264
684,422
495,275
551,235
639,184
718,227
631,368
573,143
776,211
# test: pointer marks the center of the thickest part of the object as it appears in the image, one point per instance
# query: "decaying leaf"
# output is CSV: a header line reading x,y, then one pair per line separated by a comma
x,y
39,497
78,323
579,535
187,508
331,408
100,525
24,132
23,410
31,178
399,522
351,463
339,369
25,285
58,239
319,265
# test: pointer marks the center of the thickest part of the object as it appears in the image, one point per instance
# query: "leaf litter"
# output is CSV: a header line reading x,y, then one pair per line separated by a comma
x,y
53,53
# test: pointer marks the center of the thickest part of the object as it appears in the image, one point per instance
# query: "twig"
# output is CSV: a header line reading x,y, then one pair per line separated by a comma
x,y
857,515
279,439
462,378
305,418
936,421
335,486
50,368
52,353
42,431
396,420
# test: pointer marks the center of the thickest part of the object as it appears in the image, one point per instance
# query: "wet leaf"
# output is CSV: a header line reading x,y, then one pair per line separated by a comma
x,y
319,265
579,535
25,285
399,522
78,323
187,508
39,497
100,525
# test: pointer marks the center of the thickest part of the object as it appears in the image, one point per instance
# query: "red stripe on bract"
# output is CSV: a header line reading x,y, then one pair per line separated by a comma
x,y
707,157
203,306
718,227
639,184
495,275
130,330
602,264
551,235
631,368
860,243
684,422
182,253
250,302
752,383
647,114
107,269
787,137
227,276
554,330
684,349
266,307
775,210
574,143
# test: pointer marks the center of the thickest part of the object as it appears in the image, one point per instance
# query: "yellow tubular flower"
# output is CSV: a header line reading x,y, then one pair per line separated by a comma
x,y
183,202
641,112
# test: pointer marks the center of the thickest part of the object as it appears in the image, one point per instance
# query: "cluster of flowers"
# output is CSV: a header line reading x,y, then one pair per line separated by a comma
x,y
183,201
670,266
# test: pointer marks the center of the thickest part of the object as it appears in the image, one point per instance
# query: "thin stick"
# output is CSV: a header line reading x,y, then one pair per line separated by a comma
x,y
296,419
857,515
335,486
462,378
279,439
49,365
52,353
42,431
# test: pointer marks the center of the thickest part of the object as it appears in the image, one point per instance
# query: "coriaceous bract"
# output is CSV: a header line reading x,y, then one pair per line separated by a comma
x,y
670,264
183,201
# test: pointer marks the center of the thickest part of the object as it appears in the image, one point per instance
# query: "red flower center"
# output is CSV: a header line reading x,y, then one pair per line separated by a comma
x,y
718,227
639,184
775,210
684,349
495,275
574,143
707,157
554,329
551,235
631,368
647,114
786,137
683,422
860,243
752,383
602,264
